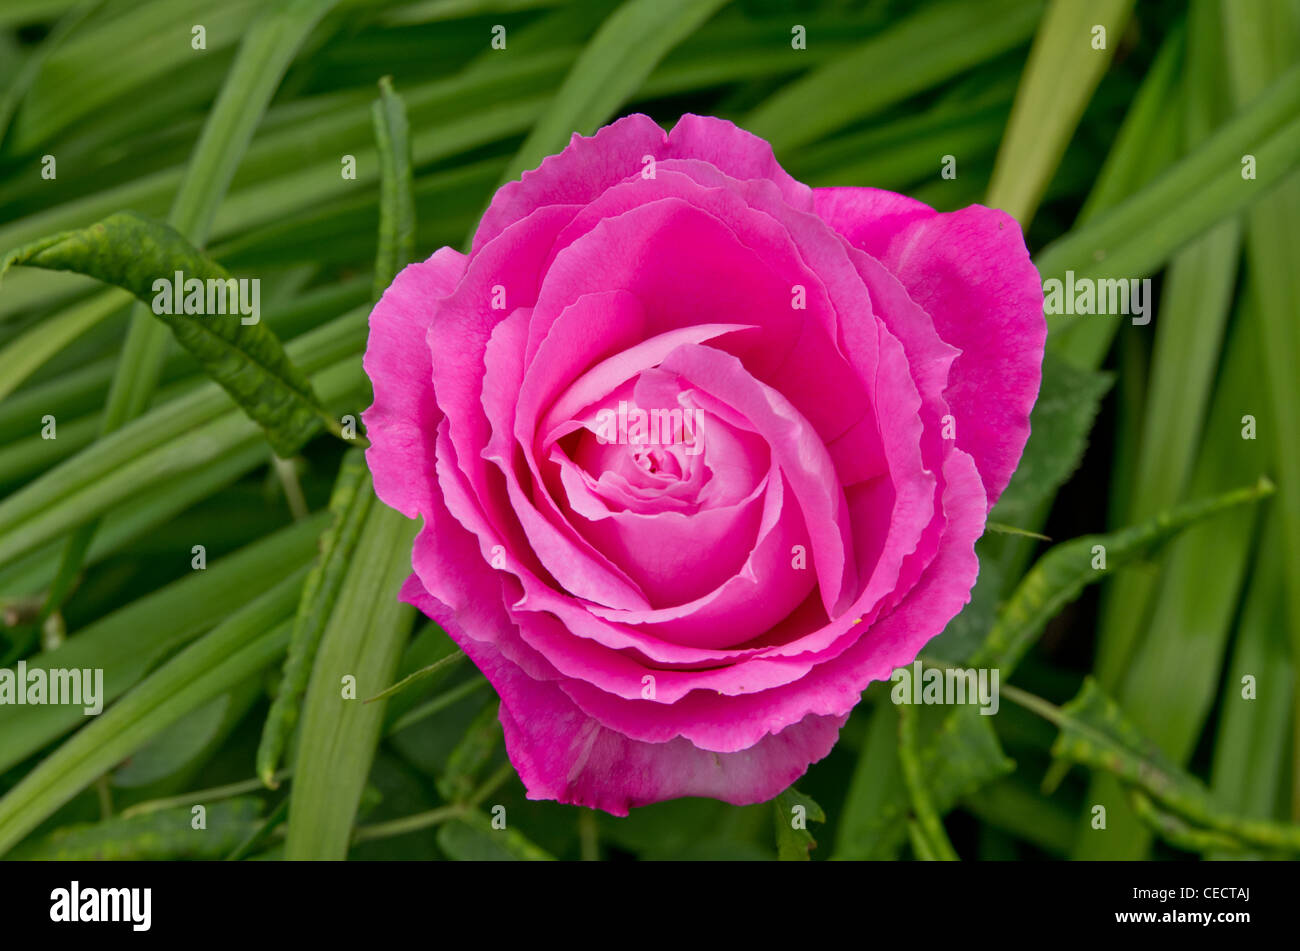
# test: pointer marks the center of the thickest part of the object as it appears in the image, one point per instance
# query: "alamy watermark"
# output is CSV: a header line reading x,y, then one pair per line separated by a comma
x,y
633,426
57,686
213,297
133,906
951,685
1109,296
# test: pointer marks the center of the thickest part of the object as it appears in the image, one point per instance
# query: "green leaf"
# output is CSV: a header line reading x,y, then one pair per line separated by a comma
x,y
366,627
396,198
127,643
959,753
1058,577
791,812
1136,237
363,640
419,676
1096,733
349,504
1263,41
181,750
472,839
247,359
929,839
1253,736
611,68
1196,299
932,45
1063,69
154,452
243,645
167,835
234,356
27,352
1059,424
470,755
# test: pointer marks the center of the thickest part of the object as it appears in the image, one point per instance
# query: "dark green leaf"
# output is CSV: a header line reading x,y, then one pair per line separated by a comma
x,y
134,253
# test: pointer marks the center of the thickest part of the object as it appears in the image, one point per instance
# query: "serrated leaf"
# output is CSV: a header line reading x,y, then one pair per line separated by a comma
x,y
132,252
791,813
1062,417
396,197
1057,578
1096,733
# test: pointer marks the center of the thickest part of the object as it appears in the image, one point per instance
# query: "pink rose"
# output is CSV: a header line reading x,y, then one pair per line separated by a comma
x,y
700,452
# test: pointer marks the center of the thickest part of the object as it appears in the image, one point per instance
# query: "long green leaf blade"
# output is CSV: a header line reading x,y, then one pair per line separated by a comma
x,y
144,257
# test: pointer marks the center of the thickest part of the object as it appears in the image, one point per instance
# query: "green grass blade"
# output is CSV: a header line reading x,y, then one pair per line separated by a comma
x,y
1253,739
26,353
396,198
935,43
1263,40
367,627
349,504
1064,68
114,470
610,69
1138,236
362,641
131,640
239,648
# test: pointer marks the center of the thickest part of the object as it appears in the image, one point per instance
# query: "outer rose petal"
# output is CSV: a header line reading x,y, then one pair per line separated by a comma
x,y
591,164
971,273
565,755
403,419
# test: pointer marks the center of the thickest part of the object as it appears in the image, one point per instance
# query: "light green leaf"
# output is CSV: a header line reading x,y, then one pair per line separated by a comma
x,y
362,641
1064,68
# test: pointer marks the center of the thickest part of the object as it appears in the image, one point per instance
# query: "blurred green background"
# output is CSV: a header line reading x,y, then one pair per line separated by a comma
x,y
1123,153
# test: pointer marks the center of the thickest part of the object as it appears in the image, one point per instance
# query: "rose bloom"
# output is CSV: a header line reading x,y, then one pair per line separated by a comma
x,y
700,451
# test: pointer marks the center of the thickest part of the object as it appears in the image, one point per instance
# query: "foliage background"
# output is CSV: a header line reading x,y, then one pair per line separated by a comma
x,y
1122,162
